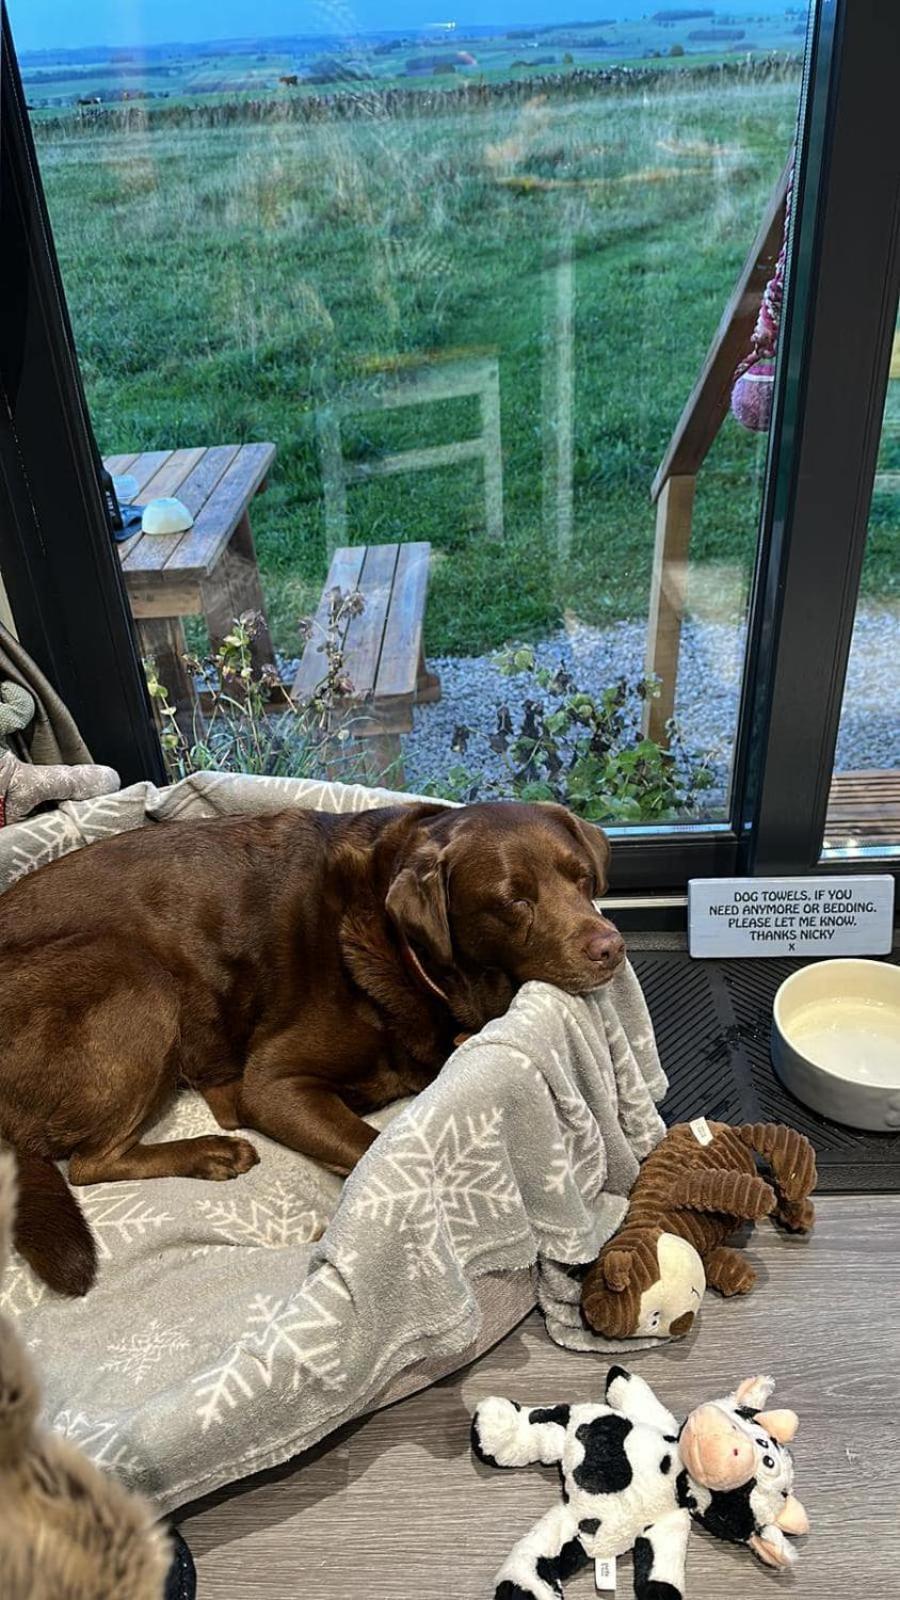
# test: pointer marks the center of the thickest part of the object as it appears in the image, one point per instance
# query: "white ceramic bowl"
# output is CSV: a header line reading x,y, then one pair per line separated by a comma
x,y
836,1041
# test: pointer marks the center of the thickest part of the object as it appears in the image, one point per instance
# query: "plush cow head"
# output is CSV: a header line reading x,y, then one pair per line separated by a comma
x,y
742,1474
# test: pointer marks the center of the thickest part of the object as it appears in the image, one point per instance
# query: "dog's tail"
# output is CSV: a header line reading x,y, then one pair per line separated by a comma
x,y
50,1229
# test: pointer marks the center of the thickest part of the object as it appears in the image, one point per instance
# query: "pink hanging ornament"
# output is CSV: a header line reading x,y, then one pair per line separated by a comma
x,y
754,380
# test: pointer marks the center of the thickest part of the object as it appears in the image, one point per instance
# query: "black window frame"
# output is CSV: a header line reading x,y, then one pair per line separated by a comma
x,y
59,564
67,590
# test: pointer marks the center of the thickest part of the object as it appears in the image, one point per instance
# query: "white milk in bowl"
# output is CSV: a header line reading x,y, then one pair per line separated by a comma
x,y
856,1039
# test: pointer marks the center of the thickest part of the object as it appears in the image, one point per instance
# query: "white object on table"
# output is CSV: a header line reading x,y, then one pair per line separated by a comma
x,y
166,515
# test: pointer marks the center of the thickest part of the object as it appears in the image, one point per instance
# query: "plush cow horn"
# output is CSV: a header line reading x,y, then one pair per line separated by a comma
x,y
754,1391
782,1425
792,1517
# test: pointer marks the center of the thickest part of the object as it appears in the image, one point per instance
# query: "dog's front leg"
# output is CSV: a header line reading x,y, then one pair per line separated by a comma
x,y
285,1099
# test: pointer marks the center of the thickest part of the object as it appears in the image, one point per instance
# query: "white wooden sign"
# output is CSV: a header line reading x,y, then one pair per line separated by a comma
x,y
831,916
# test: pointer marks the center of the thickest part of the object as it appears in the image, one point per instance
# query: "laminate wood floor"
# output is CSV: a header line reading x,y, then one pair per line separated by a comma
x,y
395,1508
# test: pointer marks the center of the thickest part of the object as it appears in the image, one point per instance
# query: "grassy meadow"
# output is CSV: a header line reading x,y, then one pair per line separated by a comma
x,y
225,281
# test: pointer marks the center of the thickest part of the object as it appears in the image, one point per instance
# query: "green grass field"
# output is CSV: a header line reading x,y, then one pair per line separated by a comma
x,y
222,282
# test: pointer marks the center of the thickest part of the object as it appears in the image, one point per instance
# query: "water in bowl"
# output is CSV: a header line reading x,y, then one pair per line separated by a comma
x,y
858,1040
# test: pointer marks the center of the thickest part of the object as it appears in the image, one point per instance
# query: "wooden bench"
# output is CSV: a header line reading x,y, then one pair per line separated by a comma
x,y
383,650
210,569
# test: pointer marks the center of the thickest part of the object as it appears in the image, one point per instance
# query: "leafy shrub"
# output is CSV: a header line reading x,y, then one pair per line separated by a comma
x,y
252,724
583,750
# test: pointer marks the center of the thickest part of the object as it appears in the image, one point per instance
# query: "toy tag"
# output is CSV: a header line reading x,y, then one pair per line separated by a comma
x,y
701,1131
605,1574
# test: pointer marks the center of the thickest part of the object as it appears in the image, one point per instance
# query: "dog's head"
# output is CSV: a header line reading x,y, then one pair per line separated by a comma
x,y
510,887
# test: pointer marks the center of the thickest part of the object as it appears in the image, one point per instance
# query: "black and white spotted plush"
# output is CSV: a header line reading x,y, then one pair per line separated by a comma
x,y
632,1477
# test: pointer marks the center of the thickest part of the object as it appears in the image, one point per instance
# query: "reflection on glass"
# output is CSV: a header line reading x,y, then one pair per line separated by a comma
x,y
464,279
864,805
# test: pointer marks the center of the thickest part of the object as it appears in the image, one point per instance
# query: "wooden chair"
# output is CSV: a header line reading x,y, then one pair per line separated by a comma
x,y
447,375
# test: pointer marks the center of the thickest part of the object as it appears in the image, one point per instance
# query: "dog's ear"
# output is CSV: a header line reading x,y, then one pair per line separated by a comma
x,y
417,904
593,840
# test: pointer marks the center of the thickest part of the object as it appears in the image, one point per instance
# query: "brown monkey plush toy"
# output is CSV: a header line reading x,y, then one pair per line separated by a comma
x,y
693,1191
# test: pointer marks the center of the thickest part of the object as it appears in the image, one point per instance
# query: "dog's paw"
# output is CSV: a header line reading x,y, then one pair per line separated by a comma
x,y
217,1158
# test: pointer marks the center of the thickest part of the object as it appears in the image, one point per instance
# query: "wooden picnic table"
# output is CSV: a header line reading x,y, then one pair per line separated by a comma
x,y
210,570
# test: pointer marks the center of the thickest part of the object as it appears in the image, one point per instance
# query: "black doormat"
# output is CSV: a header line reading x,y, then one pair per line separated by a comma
x,y
712,1021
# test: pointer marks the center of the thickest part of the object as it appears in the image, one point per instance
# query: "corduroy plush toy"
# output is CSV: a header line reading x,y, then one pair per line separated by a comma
x,y
692,1192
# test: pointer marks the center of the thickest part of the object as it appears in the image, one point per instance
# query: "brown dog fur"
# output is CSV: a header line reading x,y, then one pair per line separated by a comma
x,y
67,1531
299,969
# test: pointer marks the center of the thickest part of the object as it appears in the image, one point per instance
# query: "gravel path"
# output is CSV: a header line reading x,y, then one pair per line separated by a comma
x,y
709,682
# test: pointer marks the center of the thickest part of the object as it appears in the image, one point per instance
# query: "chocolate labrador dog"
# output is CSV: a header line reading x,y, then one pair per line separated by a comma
x,y
298,969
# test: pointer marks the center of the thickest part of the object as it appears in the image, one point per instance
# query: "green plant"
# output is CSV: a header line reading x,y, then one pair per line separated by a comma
x,y
252,725
583,750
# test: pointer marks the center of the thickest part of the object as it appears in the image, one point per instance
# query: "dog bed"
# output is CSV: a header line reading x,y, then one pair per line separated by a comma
x,y
234,1325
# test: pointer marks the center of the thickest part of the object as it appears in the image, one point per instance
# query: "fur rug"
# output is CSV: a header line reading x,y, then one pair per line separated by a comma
x,y
67,1531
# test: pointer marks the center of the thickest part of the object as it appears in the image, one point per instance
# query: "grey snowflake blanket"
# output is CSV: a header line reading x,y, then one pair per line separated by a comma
x,y
233,1326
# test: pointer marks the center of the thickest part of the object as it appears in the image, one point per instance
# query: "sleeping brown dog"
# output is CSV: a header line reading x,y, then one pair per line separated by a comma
x,y
298,969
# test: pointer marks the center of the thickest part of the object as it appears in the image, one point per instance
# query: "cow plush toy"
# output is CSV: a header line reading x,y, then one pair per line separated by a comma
x,y
632,1477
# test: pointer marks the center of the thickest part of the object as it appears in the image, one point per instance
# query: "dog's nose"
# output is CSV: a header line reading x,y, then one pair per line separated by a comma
x,y
606,948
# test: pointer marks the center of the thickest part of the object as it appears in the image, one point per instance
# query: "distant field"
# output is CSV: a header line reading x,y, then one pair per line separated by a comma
x,y
222,281
251,68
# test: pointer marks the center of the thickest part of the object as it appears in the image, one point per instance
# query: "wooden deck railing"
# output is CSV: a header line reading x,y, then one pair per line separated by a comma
x,y
673,487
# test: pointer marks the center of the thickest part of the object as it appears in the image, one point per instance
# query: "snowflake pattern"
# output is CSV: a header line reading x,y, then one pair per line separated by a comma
x,y
137,1356
101,1439
302,1330
577,1156
440,1183
37,841
189,1118
20,1288
119,1214
274,1220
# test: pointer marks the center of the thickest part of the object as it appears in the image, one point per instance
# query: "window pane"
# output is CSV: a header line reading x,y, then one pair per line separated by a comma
x,y
464,279
864,807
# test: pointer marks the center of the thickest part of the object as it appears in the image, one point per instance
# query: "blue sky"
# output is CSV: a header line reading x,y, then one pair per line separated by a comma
x,y
48,24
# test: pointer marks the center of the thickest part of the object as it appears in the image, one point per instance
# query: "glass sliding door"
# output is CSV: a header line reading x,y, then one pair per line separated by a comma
x,y
863,818
484,289
500,328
